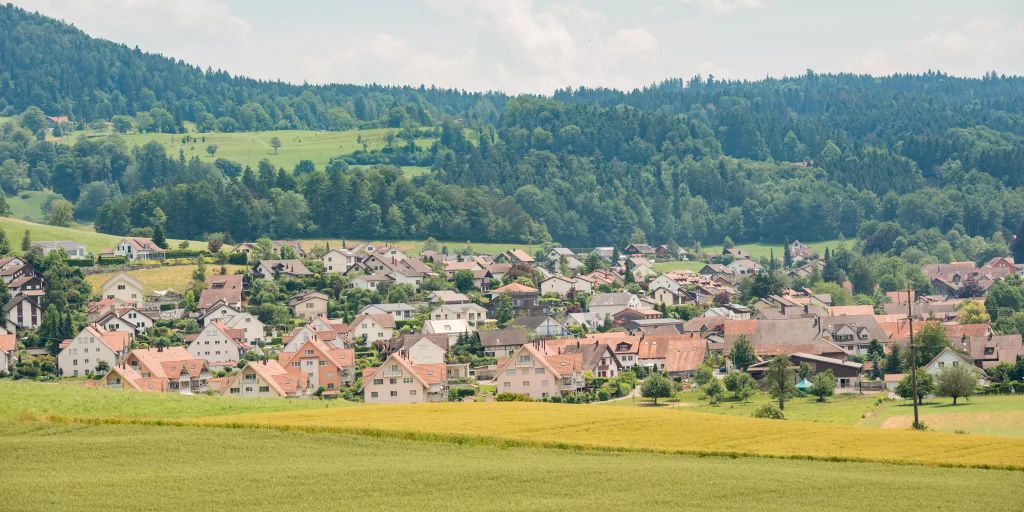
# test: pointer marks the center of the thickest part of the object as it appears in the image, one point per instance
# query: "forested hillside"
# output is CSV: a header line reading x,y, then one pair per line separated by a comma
x,y
810,157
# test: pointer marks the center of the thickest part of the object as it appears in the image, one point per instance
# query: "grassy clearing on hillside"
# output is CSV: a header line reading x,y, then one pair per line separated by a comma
x,y
186,469
73,399
28,204
996,415
175,277
248,148
646,429
94,242
765,250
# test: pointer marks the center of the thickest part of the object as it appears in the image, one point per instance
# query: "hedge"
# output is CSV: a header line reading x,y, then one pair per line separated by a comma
x,y
238,258
112,260
81,262
184,253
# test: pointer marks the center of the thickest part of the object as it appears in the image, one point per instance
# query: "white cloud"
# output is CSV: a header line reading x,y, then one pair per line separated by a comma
x,y
725,6
185,17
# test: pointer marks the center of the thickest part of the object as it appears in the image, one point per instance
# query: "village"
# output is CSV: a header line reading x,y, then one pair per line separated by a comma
x,y
479,327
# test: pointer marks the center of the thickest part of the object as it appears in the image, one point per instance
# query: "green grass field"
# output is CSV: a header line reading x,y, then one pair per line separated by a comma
x,y
94,242
248,148
170,277
765,250
104,465
28,205
841,409
997,415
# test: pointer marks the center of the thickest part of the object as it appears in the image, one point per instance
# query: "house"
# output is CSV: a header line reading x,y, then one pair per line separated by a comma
x,y
525,299
503,342
135,248
743,268
315,331
854,333
265,379
607,304
122,286
670,296
535,371
558,285
424,348
217,343
625,346
450,328
730,311
990,350
162,370
23,312
28,284
79,356
371,281
275,269
338,261
606,253
515,256
8,353
129,319
321,365
401,381
74,250
308,305
372,328
474,314
597,357
225,288
447,297
557,253
799,250
630,315
639,249
679,355
949,357
540,326
399,311
736,253
233,318
294,247
847,372
586,319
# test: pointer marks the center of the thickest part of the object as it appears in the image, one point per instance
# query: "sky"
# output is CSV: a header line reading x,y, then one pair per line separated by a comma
x,y
522,46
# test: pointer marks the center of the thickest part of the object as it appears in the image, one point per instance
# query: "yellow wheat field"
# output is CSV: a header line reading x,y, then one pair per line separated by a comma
x,y
669,431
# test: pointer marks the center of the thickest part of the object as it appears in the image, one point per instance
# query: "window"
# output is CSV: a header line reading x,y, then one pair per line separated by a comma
x,y
510,372
506,384
378,382
323,363
248,389
526,383
394,393
412,392
373,394
309,351
264,389
524,359
538,371
407,380
234,391
392,381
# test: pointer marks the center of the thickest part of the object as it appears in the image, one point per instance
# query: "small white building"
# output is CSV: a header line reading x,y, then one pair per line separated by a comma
x,y
122,286
338,261
79,356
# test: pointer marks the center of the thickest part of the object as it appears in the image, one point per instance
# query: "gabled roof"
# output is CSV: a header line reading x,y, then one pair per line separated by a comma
x,y
514,288
503,337
385,321
122,276
305,296
8,342
427,374
533,322
142,244
276,376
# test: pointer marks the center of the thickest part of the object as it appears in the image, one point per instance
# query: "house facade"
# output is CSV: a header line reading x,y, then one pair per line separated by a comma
x,y
401,381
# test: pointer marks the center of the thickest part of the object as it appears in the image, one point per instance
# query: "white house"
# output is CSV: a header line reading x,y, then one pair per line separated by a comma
x,y
23,312
373,327
80,355
217,344
122,286
135,248
949,357
425,348
399,311
338,261
606,304
129,320
451,328
8,353
400,380
473,314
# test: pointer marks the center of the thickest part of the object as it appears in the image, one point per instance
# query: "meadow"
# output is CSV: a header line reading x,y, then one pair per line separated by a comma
x,y
668,266
507,456
248,148
657,430
996,415
760,250
93,241
190,469
168,277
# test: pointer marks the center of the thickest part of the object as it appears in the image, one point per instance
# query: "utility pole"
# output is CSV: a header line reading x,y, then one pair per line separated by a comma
x,y
913,356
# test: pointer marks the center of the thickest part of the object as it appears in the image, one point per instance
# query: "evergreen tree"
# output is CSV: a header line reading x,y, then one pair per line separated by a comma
x,y
787,256
5,245
26,241
158,237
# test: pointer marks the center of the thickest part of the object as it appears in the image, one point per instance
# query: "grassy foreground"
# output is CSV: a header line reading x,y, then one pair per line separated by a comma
x,y
192,469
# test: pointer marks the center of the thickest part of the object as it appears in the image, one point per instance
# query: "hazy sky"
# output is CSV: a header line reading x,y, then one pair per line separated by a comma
x,y
523,46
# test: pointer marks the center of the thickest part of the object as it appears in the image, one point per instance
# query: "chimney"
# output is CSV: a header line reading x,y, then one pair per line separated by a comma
x,y
782,308
807,308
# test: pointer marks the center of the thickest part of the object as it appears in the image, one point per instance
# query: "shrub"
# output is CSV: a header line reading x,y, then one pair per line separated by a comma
x,y
112,260
457,394
770,412
238,258
513,397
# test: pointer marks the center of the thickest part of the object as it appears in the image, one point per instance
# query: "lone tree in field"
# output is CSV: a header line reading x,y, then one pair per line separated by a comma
x,y
780,380
956,381
925,386
211,149
26,241
713,391
742,385
656,386
742,353
275,143
823,385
